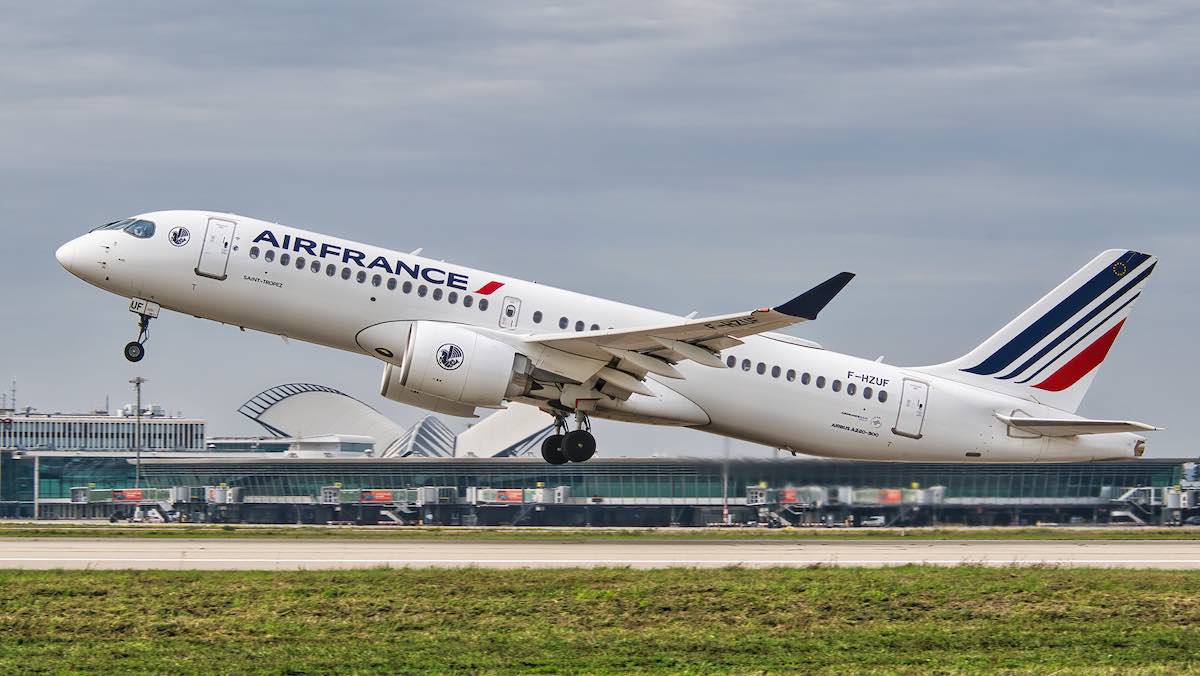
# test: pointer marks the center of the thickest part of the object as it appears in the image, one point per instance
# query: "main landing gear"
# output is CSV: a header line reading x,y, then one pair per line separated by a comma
x,y
135,350
565,446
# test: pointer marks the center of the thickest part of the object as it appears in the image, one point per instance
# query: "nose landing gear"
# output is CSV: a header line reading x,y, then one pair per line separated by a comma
x,y
145,310
565,446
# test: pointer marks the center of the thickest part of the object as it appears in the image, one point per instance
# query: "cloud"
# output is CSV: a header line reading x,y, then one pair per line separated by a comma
x,y
682,155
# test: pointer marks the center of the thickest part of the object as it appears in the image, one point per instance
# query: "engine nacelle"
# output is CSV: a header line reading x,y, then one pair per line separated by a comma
x,y
455,364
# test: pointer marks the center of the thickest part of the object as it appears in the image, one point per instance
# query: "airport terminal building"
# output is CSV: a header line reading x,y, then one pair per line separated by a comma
x,y
83,467
286,487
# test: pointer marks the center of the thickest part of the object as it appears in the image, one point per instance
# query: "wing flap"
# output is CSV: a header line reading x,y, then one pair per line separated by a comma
x,y
712,333
656,349
1068,427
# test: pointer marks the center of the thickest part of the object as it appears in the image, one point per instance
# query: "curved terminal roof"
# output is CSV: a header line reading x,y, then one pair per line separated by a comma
x,y
306,410
429,438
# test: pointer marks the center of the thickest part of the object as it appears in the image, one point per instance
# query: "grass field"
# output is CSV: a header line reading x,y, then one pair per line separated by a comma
x,y
45,530
909,619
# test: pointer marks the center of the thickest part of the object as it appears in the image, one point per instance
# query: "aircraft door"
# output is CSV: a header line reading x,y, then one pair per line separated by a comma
x,y
510,311
214,255
911,418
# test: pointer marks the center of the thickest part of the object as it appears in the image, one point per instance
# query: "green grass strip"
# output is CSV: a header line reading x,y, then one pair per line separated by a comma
x,y
905,620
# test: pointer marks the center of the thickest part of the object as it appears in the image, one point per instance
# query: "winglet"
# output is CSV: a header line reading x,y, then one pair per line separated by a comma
x,y
811,302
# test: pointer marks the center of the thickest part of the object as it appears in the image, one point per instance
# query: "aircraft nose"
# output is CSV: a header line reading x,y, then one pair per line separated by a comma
x,y
67,254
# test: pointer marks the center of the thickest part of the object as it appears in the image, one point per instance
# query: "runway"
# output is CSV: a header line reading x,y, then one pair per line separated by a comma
x,y
280,554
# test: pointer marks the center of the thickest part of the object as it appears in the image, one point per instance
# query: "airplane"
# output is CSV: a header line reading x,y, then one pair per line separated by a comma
x,y
454,340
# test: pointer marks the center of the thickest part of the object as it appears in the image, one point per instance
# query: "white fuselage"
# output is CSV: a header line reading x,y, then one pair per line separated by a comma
x,y
920,418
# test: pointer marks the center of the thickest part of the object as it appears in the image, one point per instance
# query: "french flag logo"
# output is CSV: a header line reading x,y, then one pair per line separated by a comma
x,y
489,288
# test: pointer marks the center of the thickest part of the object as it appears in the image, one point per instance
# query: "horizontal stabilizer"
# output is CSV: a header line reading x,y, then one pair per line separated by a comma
x,y
1068,427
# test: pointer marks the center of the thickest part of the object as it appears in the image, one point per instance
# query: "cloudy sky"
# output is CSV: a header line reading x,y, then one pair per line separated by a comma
x,y
709,156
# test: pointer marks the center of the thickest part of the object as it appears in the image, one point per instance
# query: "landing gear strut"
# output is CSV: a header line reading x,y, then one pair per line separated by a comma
x,y
564,446
135,350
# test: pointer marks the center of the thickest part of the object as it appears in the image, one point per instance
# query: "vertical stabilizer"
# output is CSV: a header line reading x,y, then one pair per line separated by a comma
x,y
1051,352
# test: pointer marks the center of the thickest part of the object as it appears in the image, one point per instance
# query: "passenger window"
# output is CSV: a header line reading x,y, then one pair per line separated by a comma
x,y
269,256
820,382
391,285
361,277
578,326
253,252
330,270
868,392
594,327
775,371
805,379
316,267
562,323
537,317
437,293
421,291
836,386
745,364
467,300
851,388
882,396
376,280
285,258
345,273
483,303
761,369
407,288
452,298
791,375
730,361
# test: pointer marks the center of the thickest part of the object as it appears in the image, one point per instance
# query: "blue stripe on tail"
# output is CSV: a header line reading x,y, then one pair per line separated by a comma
x,y
1077,325
1079,340
1058,315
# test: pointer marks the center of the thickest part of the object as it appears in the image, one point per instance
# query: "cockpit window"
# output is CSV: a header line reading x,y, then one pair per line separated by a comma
x,y
115,225
141,229
134,226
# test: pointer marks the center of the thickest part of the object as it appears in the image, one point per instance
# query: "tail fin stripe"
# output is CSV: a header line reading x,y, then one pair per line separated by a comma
x,y
1082,364
1079,324
1078,340
1059,314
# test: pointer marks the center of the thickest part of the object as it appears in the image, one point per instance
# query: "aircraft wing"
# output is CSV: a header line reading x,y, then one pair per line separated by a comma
x,y
656,348
1067,427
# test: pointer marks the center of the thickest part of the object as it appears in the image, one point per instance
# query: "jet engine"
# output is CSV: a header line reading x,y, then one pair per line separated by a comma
x,y
455,365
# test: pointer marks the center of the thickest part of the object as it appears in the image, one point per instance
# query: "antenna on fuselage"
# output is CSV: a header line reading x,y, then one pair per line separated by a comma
x,y
417,251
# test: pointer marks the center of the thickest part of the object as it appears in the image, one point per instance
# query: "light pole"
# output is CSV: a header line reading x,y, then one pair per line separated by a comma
x,y
137,434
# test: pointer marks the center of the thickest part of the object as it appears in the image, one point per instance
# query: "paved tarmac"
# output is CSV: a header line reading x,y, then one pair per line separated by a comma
x,y
250,554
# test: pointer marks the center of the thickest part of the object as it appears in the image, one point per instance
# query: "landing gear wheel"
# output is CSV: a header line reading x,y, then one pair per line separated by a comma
x,y
579,445
552,450
135,351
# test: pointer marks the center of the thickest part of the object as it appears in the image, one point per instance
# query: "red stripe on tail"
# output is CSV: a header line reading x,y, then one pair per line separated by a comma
x,y
1082,363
